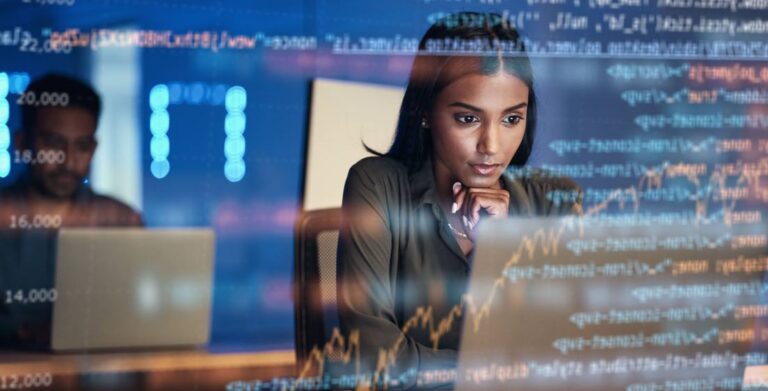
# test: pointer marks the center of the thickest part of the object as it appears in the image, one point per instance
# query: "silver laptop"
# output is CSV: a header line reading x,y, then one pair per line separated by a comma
x,y
132,288
589,305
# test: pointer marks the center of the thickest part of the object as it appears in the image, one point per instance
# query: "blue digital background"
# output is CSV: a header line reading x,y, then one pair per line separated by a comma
x,y
253,217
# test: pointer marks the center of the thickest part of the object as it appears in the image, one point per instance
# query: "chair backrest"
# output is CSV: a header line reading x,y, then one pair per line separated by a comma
x,y
316,240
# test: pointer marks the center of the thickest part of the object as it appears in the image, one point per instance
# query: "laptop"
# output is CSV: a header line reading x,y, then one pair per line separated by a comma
x,y
583,304
111,288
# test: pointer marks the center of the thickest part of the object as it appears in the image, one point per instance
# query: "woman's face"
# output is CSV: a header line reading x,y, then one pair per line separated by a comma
x,y
477,124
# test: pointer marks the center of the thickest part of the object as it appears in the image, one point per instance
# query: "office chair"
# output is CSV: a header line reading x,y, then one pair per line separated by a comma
x,y
314,288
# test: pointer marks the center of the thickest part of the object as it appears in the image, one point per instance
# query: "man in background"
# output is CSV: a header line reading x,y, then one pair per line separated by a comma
x,y
57,141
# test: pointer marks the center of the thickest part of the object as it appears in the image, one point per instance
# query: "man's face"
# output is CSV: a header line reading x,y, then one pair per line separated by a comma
x,y
71,131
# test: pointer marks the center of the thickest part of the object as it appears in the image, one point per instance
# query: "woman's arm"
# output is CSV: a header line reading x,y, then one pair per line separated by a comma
x,y
366,288
541,184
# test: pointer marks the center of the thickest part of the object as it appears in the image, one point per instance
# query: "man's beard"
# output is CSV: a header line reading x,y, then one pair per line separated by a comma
x,y
50,186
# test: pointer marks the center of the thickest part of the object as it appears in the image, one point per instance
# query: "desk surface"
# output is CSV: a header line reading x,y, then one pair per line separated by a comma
x,y
138,361
191,369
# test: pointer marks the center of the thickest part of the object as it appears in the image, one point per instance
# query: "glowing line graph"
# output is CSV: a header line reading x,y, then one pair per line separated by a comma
x,y
547,243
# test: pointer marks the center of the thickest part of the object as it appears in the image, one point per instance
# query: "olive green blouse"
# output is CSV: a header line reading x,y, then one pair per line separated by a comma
x,y
397,258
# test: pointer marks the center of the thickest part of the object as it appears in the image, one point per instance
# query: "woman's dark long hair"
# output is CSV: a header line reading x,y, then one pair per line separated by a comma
x,y
466,42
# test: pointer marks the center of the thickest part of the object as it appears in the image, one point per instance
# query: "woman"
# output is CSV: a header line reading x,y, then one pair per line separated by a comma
x,y
410,215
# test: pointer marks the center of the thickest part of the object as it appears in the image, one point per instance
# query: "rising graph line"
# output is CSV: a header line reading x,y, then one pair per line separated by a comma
x,y
343,349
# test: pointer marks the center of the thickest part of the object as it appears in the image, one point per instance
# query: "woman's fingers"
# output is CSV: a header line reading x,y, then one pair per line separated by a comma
x,y
493,202
459,192
460,202
469,202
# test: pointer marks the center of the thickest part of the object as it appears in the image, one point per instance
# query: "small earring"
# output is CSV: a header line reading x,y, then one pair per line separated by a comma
x,y
424,123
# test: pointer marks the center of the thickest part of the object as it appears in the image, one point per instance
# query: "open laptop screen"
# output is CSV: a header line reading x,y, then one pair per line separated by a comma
x,y
590,305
